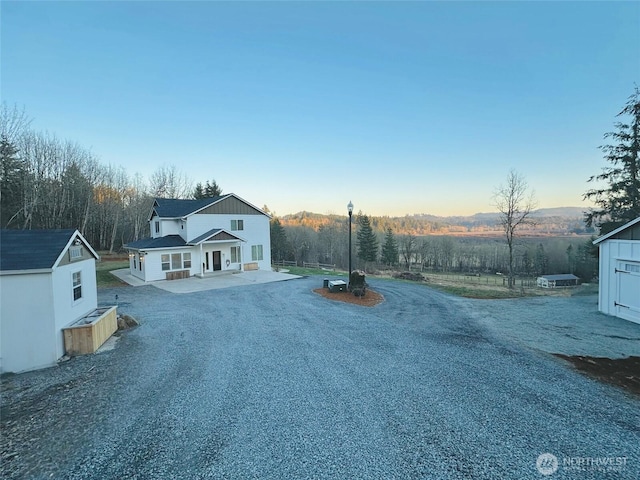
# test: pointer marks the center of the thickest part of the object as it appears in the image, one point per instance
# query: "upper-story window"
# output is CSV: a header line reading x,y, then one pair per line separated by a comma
x,y
237,225
157,226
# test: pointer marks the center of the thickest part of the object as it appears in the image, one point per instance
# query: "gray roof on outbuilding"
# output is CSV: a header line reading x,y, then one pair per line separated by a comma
x,y
169,241
560,276
32,249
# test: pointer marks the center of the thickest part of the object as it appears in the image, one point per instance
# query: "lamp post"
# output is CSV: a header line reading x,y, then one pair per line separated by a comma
x,y
350,210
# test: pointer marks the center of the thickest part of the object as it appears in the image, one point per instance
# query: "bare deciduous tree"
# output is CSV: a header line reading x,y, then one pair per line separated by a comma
x,y
515,203
168,182
408,249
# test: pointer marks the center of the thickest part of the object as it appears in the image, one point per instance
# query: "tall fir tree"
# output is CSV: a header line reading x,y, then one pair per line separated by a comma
x,y
389,248
280,248
367,241
12,176
209,190
618,202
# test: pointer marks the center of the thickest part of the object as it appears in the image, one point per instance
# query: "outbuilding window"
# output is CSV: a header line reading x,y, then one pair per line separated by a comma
x,y
77,286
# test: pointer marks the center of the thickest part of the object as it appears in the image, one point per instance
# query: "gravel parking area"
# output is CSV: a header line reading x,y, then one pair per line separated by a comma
x,y
275,381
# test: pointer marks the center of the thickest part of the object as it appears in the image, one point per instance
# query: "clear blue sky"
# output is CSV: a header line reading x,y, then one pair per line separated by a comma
x,y
401,107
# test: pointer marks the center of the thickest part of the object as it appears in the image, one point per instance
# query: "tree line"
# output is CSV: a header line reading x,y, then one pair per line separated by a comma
x,y
375,249
50,183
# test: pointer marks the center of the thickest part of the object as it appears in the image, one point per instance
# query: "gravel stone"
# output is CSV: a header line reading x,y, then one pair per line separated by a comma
x,y
274,381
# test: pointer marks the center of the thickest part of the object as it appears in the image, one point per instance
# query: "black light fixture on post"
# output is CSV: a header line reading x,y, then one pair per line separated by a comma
x,y
350,210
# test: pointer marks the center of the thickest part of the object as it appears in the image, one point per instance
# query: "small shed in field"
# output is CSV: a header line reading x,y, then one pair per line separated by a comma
x,y
559,280
47,281
619,272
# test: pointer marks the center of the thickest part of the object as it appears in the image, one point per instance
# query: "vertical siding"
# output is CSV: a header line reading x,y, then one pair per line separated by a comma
x,y
610,252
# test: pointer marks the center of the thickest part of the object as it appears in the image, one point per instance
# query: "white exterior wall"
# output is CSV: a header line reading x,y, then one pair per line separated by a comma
x,y
27,329
136,264
611,252
65,309
152,263
256,232
169,227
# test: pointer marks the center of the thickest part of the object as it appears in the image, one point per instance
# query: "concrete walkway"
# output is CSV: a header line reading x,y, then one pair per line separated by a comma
x,y
197,284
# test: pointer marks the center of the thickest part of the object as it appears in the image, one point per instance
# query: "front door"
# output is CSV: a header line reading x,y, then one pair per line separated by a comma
x,y
217,262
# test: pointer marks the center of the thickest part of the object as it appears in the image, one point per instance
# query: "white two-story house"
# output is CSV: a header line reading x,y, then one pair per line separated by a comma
x,y
200,237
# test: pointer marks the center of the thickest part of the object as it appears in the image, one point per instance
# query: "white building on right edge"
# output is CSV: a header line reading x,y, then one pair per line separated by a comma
x,y
619,272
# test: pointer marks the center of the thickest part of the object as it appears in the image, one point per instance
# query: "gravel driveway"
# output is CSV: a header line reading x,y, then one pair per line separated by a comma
x,y
274,381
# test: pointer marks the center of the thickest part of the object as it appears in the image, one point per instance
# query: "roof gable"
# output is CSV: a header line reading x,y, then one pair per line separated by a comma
x,y
37,249
178,207
216,235
224,204
618,232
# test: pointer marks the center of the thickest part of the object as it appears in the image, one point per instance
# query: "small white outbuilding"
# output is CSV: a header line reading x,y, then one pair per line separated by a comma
x,y
619,272
47,282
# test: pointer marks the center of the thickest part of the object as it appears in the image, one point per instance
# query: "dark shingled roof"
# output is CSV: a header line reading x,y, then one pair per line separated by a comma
x,y
174,207
161,242
205,235
32,249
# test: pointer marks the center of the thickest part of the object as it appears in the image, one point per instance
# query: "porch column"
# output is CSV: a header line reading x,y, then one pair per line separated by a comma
x,y
201,262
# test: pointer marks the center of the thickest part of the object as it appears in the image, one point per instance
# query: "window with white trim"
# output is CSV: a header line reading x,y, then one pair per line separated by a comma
x,y
157,226
175,261
77,286
237,225
256,253
235,255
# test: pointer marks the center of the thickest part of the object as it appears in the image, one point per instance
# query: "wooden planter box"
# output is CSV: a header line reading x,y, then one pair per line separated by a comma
x,y
90,332
178,275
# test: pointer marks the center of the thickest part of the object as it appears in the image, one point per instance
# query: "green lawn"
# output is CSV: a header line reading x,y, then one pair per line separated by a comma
x,y
104,278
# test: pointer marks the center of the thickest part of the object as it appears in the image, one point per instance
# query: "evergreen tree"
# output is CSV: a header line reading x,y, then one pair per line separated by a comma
x,y
12,176
279,244
619,201
541,261
390,248
571,258
209,190
367,241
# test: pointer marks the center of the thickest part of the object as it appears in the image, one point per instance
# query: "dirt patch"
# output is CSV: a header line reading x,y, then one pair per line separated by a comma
x,y
371,298
623,372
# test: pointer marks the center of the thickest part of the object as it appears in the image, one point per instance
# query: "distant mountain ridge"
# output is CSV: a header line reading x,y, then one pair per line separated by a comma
x,y
548,221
